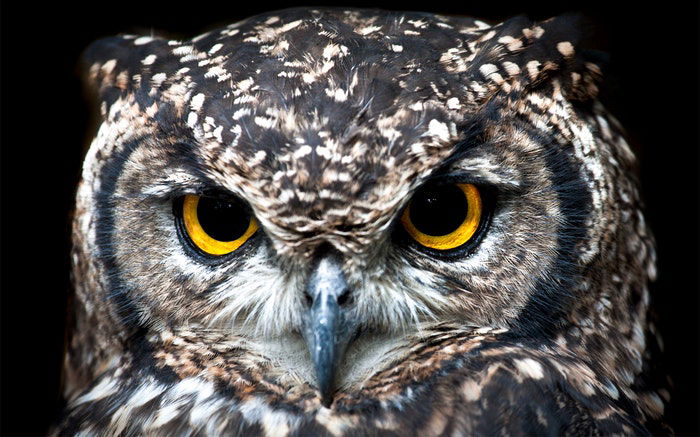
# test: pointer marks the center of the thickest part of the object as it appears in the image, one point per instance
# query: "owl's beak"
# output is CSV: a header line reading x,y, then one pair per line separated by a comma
x,y
327,330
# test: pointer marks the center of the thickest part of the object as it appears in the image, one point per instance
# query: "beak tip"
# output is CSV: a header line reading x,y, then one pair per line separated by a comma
x,y
327,401
325,391
326,397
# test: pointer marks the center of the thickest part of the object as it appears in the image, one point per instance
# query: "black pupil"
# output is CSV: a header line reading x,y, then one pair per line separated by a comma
x,y
438,209
222,220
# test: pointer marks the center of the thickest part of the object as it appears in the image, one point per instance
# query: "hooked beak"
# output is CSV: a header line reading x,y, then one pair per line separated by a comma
x,y
327,330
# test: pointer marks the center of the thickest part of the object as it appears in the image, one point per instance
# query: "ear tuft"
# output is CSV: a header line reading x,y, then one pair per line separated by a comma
x,y
112,63
562,56
523,55
106,58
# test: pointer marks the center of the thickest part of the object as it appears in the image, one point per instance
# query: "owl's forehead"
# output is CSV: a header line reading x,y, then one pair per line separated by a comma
x,y
343,80
332,112
291,55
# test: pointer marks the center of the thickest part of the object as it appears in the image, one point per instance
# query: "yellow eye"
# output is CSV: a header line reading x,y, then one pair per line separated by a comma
x,y
443,217
215,226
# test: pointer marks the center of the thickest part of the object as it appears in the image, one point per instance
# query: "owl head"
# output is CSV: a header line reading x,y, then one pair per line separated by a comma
x,y
324,187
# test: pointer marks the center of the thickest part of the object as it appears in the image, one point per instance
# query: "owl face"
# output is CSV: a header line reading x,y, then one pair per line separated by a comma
x,y
323,185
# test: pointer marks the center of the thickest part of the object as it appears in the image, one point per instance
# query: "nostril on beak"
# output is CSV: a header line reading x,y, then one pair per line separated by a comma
x,y
344,298
308,298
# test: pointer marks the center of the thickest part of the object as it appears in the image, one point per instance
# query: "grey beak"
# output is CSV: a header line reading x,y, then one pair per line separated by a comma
x,y
327,330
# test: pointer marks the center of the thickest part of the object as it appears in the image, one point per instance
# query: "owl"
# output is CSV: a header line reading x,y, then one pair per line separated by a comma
x,y
359,222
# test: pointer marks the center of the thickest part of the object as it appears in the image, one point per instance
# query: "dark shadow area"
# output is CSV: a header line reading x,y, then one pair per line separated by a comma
x,y
651,86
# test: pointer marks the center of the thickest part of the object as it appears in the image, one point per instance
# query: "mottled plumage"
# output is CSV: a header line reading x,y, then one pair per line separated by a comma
x,y
325,122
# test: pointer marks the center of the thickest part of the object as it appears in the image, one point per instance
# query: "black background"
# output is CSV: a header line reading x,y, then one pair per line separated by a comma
x,y
651,86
